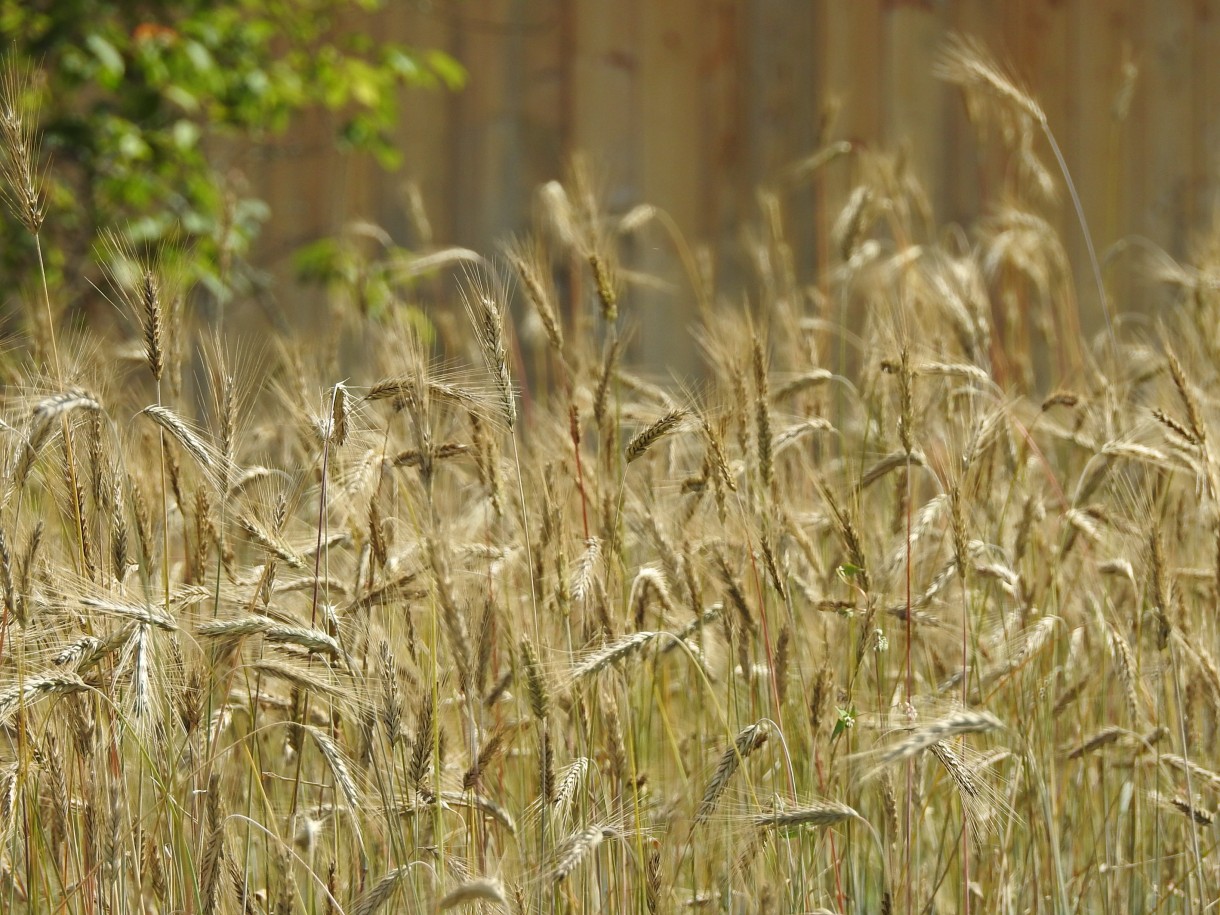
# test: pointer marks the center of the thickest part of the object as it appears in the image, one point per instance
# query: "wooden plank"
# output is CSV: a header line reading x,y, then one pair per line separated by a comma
x,y
483,140
670,169
912,101
545,106
1166,118
423,134
724,125
1205,53
972,160
604,130
520,123
1041,33
853,42
1110,144
669,119
784,106
1042,30
605,95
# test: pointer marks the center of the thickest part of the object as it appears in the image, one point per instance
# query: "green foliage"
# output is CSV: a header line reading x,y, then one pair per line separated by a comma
x,y
845,720
362,268
137,98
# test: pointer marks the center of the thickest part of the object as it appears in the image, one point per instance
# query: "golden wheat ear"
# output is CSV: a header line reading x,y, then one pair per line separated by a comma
x,y
22,174
485,296
966,63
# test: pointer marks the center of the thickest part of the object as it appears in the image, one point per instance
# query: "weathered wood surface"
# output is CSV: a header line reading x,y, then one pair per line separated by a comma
x,y
693,105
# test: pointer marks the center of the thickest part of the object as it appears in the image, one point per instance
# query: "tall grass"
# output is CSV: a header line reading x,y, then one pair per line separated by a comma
x,y
892,616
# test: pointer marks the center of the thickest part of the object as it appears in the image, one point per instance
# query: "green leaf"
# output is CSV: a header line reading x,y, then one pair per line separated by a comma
x,y
847,571
107,55
388,156
846,719
452,73
403,64
186,133
318,262
132,146
199,56
364,83
135,92
182,97
258,82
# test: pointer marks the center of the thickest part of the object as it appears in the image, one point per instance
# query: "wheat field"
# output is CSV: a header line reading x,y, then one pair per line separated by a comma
x,y
908,604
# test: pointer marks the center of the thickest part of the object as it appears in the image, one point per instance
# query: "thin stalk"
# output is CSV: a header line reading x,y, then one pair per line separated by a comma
x,y
965,700
313,616
1088,237
1190,793
910,692
525,533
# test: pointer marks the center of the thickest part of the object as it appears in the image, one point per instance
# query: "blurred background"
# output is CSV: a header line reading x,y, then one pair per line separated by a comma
x,y
723,113
694,105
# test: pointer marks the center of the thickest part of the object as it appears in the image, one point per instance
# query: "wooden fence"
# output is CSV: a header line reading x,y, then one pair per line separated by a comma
x,y
693,104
